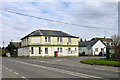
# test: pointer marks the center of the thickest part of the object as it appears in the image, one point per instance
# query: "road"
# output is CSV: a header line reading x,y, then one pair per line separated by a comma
x,y
54,68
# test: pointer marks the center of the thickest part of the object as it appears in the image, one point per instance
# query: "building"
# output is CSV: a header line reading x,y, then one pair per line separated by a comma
x,y
109,44
92,47
44,43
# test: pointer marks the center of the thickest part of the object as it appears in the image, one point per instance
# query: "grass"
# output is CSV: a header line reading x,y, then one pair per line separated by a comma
x,y
110,62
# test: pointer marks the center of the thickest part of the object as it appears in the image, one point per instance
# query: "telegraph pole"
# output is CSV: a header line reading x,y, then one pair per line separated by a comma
x,y
3,44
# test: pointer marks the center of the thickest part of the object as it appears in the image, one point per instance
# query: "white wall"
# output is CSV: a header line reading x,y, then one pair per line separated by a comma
x,y
24,51
98,45
51,51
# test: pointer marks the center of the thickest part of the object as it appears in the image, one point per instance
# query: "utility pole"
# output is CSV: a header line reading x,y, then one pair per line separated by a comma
x,y
11,48
3,44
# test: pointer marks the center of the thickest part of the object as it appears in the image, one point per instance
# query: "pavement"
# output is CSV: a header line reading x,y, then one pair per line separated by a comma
x,y
56,68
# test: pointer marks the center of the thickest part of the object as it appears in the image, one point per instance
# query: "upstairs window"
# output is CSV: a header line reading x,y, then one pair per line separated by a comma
x,y
47,39
59,40
27,41
69,40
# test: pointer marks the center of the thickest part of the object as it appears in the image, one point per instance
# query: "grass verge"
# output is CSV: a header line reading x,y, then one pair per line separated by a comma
x,y
102,62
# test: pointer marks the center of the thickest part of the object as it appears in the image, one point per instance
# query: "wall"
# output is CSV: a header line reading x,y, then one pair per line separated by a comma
x,y
53,41
24,51
84,49
51,51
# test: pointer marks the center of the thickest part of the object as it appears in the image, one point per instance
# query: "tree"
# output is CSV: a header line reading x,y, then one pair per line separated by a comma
x,y
10,48
81,40
85,40
116,40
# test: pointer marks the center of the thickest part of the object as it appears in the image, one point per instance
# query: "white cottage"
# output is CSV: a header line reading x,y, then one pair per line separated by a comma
x,y
92,47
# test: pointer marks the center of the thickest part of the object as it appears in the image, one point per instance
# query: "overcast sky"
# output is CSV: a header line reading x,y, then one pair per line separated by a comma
x,y
94,14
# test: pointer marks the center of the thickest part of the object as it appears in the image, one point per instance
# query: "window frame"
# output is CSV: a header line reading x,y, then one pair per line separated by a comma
x,y
39,50
96,49
32,50
59,50
59,40
47,40
69,50
45,51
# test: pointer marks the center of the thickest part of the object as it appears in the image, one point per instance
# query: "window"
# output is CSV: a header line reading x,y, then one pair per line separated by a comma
x,y
32,50
96,49
69,40
75,49
46,50
69,50
59,40
27,41
59,50
39,50
47,39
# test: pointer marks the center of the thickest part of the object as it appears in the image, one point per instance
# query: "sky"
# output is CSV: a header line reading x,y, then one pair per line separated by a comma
x,y
85,13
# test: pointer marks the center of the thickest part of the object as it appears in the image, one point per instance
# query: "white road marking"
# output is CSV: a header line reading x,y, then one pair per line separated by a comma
x,y
10,70
6,68
16,73
61,71
23,77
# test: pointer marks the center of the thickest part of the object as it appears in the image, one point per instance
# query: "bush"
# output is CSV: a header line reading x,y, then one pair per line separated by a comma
x,y
102,62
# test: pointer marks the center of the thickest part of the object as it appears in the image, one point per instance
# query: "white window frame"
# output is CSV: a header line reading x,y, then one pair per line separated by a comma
x,y
59,40
69,51
48,40
59,50
45,51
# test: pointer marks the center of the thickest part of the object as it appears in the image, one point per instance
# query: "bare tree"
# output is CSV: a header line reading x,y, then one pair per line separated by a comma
x,y
116,40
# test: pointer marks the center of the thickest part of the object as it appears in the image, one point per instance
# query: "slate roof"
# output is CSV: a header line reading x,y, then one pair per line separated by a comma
x,y
49,33
84,44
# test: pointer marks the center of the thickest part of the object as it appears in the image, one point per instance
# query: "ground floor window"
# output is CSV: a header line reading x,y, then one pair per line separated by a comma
x,y
39,50
32,49
59,50
69,50
75,49
46,50
96,49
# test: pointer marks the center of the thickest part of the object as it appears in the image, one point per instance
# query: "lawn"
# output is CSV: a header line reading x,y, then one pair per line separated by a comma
x,y
102,62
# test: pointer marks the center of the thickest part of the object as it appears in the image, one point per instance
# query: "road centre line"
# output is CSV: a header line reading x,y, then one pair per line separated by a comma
x,y
15,73
10,70
61,71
